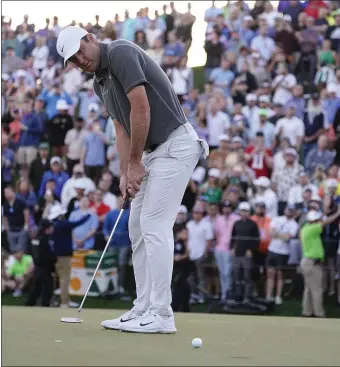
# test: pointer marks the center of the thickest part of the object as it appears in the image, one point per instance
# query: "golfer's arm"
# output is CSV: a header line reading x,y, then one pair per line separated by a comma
x,y
123,147
139,121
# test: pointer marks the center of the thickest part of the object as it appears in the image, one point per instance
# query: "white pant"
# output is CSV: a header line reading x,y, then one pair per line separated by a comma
x,y
153,214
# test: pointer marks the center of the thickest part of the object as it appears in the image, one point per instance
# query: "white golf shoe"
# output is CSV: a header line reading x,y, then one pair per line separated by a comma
x,y
115,324
150,323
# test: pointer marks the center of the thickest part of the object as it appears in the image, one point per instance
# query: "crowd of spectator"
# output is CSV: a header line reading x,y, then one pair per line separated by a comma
x,y
264,200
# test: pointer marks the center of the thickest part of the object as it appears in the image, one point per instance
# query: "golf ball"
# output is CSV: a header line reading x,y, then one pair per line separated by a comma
x,y
197,342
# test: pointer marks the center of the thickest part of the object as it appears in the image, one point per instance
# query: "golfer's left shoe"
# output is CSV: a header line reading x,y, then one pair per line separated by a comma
x,y
151,323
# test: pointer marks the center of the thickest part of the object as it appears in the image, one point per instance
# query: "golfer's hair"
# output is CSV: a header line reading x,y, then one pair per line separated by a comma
x,y
85,39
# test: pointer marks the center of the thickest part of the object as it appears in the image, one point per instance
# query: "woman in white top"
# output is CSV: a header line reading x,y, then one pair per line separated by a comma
x,y
40,55
157,51
182,78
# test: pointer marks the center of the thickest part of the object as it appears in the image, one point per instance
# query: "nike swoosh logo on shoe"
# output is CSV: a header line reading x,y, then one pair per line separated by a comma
x,y
121,320
147,323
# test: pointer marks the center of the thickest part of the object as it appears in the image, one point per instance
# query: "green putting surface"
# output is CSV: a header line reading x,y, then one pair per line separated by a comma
x,y
36,337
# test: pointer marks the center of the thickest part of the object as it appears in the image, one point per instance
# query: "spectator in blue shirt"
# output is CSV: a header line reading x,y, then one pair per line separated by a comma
x,y
50,97
174,49
30,135
246,33
120,244
298,101
222,77
29,44
319,156
7,161
55,173
331,103
83,236
94,151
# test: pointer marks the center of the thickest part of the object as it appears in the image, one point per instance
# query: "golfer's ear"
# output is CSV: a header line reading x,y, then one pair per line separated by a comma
x,y
90,37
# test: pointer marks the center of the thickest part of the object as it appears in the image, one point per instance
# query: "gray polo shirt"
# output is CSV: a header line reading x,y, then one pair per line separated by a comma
x,y
123,66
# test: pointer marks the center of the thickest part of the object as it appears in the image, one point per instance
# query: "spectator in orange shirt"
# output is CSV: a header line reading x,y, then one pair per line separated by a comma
x,y
260,256
15,127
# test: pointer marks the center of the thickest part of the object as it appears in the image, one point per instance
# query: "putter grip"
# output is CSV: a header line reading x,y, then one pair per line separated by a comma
x,y
126,201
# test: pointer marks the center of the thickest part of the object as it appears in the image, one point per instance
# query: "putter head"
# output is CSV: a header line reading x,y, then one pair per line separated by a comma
x,y
71,320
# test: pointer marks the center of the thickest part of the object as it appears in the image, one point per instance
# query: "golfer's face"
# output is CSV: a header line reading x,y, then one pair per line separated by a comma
x,y
87,58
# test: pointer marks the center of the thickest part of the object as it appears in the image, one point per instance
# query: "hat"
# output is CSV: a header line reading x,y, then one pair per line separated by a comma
x,y
251,97
182,209
198,175
313,215
5,77
332,182
68,42
263,112
62,105
238,117
331,88
21,73
315,96
56,211
237,139
278,104
55,160
248,18
287,18
303,174
44,146
291,207
278,16
316,198
227,204
244,206
214,172
264,98
260,202
262,181
255,55
80,184
260,133
224,138
93,107
290,151
198,209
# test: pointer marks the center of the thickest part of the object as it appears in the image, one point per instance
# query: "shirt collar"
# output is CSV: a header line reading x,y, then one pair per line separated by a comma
x,y
103,65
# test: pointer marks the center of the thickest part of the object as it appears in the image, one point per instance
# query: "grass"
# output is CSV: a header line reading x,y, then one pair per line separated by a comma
x,y
290,307
36,337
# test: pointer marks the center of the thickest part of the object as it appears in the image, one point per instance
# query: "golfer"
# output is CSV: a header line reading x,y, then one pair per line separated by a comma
x,y
158,151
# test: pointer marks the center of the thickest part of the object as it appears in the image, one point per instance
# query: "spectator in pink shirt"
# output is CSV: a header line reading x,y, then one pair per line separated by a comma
x,y
223,229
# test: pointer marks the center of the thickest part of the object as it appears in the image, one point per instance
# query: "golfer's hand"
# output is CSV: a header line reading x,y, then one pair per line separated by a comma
x,y
135,175
123,184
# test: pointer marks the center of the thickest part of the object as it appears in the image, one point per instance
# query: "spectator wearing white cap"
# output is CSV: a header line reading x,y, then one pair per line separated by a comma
x,y
331,103
258,157
40,55
218,124
265,127
223,230
72,80
282,230
283,84
263,44
265,194
218,156
286,177
200,237
245,240
246,33
295,193
181,219
291,127
58,127
69,191
56,172
311,263
269,14
211,189
86,97
80,187
250,110
319,156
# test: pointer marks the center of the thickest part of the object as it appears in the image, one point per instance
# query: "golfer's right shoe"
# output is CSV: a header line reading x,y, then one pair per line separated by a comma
x,y
115,324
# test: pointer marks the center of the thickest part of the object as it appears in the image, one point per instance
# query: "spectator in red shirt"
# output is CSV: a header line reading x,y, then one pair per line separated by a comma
x,y
312,9
259,158
99,207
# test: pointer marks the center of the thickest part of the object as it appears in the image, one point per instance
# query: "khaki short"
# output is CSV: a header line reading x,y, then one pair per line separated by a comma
x,y
26,155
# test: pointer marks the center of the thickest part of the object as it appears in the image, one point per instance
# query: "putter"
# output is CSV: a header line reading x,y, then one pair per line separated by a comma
x,y
78,320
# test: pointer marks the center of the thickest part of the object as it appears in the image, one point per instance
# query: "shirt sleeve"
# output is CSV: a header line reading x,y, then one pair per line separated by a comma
x,y
209,232
128,66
